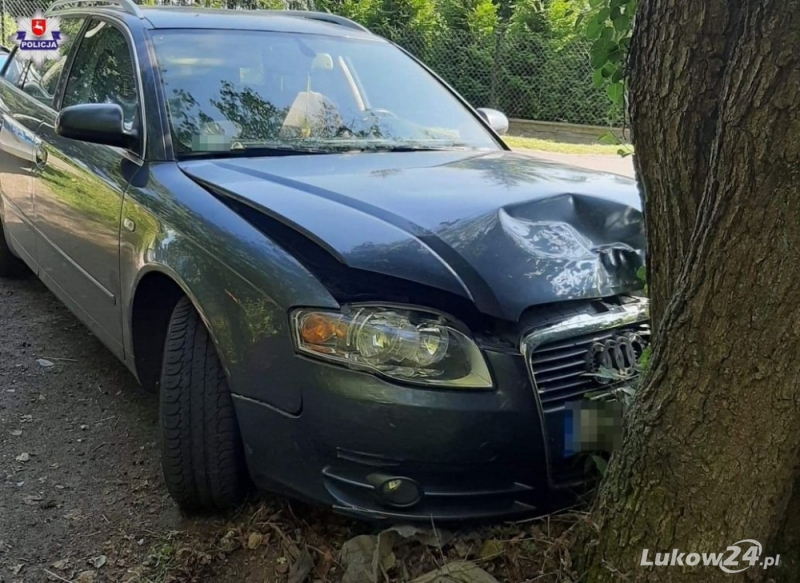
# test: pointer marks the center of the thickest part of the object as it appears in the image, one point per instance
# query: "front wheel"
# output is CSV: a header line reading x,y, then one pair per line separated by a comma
x,y
201,452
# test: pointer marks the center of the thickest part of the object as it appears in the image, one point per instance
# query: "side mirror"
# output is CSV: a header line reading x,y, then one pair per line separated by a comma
x,y
496,120
98,123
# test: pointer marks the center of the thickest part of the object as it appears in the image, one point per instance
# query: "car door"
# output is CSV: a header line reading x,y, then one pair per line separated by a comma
x,y
19,120
79,191
26,95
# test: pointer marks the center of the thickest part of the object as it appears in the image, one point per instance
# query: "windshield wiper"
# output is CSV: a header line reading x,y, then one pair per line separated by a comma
x,y
315,147
253,151
412,148
276,149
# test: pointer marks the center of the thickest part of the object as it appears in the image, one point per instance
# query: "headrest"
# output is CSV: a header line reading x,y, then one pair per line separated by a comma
x,y
322,61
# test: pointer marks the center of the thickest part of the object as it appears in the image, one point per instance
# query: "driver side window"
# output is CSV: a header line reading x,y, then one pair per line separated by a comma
x,y
103,72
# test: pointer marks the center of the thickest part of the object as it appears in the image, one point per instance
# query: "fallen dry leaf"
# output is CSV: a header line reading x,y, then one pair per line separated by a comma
x,y
98,561
254,540
490,549
86,577
61,565
301,568
457,572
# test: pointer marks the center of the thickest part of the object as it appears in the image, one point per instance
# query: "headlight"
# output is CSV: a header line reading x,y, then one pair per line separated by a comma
x,y
402,344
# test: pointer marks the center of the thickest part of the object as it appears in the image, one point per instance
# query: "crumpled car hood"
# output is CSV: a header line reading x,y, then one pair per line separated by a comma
x,y
503,229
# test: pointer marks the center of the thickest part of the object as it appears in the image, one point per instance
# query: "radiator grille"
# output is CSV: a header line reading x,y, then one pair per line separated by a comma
x,y
564,360
563,370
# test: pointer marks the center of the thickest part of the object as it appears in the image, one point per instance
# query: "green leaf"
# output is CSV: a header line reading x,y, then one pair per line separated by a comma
x,y
608,70
616,92
607,34
616,77
599,59
599,45
622,22
603,14
593,29
615,54
609,138
595,3
601,464
597,78
644,359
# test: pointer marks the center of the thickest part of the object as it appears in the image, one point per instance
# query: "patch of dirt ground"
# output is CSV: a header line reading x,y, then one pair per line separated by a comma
x,y
82,498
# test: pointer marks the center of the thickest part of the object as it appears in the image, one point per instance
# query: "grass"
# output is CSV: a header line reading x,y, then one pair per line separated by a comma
x,y
562,147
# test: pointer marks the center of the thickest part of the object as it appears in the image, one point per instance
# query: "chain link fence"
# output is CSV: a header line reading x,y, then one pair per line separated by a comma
x,y
521,74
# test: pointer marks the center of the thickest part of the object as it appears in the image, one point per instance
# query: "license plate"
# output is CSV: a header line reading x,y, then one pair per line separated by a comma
x,y
592,426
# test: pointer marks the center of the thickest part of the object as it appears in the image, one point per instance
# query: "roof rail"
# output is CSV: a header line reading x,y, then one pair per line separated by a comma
x,y
126,5
321,16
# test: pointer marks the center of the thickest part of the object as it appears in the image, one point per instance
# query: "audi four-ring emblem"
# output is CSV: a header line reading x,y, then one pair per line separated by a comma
x,y
618,354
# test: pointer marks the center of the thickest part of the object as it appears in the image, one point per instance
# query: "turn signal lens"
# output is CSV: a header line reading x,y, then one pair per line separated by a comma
x,y
316,328
402,344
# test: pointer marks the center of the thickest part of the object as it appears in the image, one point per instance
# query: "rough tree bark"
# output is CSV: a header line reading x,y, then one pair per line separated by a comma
x,y
713,438
675,92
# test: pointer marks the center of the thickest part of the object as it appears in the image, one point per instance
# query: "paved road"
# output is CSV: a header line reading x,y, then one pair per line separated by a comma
x,y
613,164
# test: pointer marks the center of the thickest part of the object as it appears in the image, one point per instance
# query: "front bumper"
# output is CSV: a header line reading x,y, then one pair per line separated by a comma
x,y
473,455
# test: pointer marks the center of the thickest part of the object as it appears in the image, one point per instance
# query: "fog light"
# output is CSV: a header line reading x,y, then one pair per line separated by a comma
x,y
399,492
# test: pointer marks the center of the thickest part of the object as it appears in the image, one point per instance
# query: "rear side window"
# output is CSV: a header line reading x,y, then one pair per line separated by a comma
x,y
103,71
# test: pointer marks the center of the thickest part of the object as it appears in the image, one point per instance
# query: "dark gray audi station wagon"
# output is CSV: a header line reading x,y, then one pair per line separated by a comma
x,y
339,280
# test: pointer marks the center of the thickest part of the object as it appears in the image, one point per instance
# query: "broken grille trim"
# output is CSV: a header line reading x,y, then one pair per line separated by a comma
x,y
629,314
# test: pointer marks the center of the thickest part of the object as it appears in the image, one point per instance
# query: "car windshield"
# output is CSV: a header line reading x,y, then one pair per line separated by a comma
x,y
283,93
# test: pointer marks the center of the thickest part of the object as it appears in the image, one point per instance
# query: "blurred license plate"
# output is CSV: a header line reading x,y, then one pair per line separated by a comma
x,y
592,426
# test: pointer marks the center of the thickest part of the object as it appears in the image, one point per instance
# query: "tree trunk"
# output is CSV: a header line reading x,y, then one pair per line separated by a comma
x,y
675,99
713,437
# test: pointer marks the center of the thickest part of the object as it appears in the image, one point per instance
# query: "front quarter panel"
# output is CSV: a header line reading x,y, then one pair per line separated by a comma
x,y
242,283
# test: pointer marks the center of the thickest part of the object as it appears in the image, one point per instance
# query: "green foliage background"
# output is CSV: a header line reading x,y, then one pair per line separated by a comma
x,y
525,57
549,60
609,24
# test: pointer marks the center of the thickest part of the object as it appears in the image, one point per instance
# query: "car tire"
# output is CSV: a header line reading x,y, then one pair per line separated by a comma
x,y
10,264
201,447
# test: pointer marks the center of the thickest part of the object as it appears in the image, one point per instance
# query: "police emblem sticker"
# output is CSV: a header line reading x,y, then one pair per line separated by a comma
x,y
38,39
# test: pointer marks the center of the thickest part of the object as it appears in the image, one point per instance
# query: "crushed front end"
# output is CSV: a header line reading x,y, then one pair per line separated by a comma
x,y
375,449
